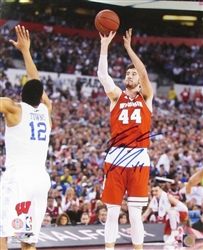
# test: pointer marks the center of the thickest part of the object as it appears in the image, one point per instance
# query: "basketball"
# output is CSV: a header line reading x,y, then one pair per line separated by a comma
x,y
106,21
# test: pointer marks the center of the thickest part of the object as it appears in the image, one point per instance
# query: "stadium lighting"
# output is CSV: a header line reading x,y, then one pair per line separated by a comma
x,y
25,1
179,18
122,2
187,23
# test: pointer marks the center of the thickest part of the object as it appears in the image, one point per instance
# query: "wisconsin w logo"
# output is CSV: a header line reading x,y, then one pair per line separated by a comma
x,y
23,207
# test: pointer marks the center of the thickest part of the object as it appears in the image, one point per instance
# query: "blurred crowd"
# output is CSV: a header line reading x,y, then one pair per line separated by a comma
x,y
80,15
79,55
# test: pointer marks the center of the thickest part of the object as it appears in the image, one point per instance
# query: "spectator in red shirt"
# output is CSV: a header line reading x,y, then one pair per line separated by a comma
x,y
51,209
198,96
173,190
185,95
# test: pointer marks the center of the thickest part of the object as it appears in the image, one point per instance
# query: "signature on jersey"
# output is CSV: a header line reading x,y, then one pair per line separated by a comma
x,y
131,155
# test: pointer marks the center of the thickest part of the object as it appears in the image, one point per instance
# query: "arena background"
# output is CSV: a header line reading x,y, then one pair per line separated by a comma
x,y
147,22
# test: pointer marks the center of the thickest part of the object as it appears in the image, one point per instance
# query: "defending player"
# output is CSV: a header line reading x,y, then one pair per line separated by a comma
x,y
25,183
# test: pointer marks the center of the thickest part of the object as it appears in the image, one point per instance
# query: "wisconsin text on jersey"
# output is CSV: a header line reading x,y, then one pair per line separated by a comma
x,y
130,104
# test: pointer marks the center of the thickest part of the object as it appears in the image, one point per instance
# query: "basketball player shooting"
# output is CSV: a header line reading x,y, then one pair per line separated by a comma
x,y
25,183
127,163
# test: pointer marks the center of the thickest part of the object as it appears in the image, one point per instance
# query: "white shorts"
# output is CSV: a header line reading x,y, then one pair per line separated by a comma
x,y
23,201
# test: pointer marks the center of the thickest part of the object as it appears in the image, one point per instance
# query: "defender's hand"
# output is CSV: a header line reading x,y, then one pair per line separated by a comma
x,y
23,39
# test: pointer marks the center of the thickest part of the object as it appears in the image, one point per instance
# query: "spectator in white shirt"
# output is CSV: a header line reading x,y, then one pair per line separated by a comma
x,y
164,160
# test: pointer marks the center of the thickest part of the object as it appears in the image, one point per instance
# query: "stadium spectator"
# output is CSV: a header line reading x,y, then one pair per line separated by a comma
x,y
174,191
101,216
59,203
74,213
47,221
51,209
123,218
185,95
70,197
62,220
85,219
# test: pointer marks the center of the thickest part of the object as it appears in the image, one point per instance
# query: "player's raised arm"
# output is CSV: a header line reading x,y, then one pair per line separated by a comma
x,y
146,87
23,44
112,91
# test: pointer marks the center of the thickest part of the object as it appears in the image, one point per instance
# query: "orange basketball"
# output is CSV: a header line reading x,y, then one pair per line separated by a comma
x,y
106,21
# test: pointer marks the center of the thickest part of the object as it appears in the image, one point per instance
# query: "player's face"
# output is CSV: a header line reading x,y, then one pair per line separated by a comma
x,y
131,79
156,191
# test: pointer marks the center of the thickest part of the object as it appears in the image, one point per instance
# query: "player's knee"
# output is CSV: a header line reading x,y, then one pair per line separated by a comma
x,y
135,214
113,213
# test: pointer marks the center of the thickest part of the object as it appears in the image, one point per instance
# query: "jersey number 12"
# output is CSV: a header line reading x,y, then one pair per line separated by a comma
x,y
38,129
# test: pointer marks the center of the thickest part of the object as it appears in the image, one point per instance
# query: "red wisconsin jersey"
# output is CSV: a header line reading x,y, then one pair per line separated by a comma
x,y
176,194
54,212
130,122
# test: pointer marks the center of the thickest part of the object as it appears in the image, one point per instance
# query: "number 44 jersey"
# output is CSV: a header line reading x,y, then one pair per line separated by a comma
x,y
27,142
130,122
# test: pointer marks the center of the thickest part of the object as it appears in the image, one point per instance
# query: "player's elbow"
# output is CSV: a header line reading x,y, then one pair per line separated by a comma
x,y
103,78
101,75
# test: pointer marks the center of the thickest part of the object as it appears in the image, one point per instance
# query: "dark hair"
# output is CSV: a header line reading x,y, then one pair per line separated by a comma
x,y
156,184
122,214
58,197
32,92
85,213
130,66
58,219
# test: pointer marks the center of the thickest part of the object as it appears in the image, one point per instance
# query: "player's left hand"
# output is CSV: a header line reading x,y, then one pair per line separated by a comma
x,y
127,38
23,39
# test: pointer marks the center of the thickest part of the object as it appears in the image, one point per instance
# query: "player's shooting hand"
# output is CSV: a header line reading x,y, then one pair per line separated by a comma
x,y
106,39
127,38
23,39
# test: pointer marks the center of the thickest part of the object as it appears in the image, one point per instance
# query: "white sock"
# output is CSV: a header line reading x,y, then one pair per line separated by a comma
x,y
109,248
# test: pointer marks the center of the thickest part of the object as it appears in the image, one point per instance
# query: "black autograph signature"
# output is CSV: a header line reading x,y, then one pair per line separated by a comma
x,y
131,154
